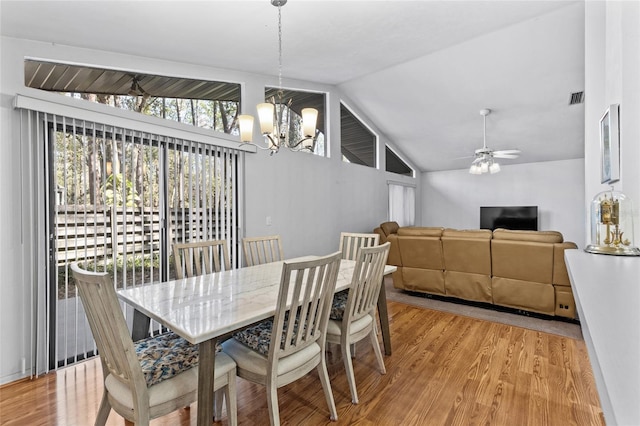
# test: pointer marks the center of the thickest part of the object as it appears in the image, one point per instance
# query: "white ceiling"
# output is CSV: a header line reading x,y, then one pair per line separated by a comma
x,y
420,70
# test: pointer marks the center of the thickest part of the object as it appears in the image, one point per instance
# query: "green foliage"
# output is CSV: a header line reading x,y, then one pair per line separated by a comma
x,y
113,191
137,262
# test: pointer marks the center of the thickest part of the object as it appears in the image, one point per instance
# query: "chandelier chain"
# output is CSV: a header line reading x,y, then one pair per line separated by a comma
x,y
275,114
280,47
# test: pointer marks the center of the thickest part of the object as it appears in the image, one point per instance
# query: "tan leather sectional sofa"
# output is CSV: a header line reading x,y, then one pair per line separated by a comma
x,y
518,269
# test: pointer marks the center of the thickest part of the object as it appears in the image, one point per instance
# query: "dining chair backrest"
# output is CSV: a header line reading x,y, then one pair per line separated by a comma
x,y
354,319
306,292
110,332
202,257
365,284
151,377
351,242
288,346
259,250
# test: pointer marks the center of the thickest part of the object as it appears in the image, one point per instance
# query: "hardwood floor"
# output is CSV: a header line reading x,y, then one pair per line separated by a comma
x,y
445,370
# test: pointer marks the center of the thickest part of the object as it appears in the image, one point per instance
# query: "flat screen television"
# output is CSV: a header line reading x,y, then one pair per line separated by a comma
x,y
509,217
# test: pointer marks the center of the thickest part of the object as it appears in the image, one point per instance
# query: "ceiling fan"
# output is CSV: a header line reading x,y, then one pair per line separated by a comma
x,y
484,161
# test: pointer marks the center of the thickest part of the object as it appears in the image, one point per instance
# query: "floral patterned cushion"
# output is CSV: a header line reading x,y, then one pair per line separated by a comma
x,y
339,305
164,356
258,337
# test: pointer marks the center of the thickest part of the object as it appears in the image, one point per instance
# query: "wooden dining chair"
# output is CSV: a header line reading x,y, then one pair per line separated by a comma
x,y
350,243
353,314
151,377
259,250
202,257
285,348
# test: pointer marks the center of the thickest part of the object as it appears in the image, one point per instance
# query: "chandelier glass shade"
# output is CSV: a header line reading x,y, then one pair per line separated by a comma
x,y
484,164
274,115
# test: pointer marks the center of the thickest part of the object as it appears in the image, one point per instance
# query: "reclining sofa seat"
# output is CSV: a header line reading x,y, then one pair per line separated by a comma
x,y
529,272
467,264
517,269
420,254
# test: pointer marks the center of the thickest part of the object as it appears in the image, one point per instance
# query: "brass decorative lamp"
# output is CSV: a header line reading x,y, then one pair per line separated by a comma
x,y
612,225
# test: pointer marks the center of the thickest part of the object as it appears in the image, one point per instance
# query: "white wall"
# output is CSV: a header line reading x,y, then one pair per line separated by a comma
x,y
310,199
316,202
612,76
453,198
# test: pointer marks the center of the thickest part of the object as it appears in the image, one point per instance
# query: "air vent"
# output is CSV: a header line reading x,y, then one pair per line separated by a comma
x,y
576,98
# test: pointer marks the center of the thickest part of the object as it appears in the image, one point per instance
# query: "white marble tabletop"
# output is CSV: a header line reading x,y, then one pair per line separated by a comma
x,y
206,307
209,306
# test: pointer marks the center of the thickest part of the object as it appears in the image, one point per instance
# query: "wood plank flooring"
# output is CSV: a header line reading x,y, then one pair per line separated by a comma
x,y
444,370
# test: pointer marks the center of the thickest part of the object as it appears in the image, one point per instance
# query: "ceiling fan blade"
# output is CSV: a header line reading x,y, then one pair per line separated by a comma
x,y
503,155
507,151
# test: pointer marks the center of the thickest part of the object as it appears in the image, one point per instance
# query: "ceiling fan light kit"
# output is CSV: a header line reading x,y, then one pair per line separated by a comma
x,y
484,161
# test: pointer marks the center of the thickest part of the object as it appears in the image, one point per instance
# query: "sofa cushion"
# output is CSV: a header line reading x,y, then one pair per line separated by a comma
x,y
534,236
419,231
421,252
471,255
522,260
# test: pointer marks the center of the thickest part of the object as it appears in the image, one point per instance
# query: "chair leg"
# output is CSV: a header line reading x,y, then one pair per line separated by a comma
x,y
104,410
376,349
348,367
272,403
230,395
217,404
326,386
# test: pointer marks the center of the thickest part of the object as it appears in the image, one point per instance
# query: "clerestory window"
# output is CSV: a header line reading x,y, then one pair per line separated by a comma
x,y
395,164
358,143
211,105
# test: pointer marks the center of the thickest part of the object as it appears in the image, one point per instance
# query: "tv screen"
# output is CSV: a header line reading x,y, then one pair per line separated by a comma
x,y
509,217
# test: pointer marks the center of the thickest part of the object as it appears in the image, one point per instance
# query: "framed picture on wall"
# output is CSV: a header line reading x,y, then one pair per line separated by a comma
x,y
610,145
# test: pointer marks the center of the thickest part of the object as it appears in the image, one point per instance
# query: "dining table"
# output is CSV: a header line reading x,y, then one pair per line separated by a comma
x,y
208,308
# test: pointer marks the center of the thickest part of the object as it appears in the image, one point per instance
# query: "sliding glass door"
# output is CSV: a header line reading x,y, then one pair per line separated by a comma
x,y
117,199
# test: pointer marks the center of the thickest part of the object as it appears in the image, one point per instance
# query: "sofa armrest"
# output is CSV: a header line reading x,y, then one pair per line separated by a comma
x,y
394,257
560,274
389,228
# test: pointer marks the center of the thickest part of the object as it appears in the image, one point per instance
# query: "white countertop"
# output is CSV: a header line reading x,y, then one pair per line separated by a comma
x,y
607,293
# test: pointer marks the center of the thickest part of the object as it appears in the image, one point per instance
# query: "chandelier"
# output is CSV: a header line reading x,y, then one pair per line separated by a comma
x,y
274,115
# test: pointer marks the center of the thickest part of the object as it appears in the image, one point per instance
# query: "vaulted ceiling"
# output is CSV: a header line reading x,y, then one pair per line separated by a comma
x,y
420,70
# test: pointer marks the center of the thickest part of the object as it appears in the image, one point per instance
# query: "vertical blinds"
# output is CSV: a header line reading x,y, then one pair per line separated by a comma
x,y
116,199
